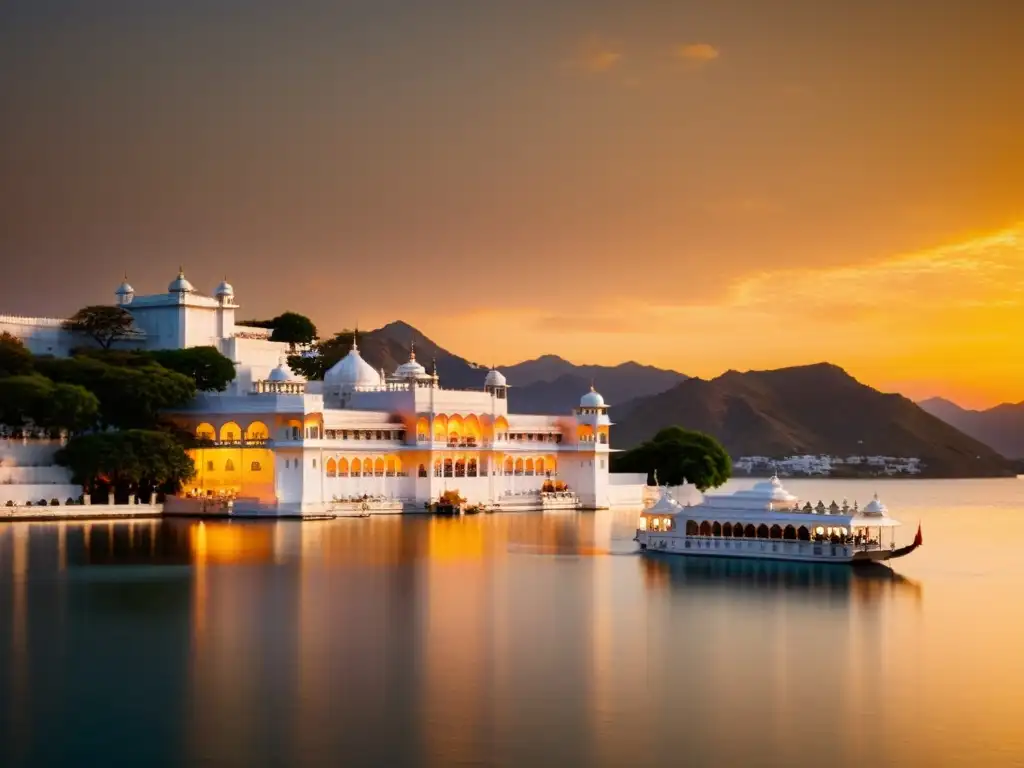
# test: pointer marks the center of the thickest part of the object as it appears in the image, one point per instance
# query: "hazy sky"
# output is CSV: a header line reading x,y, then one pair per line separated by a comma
x,y
699,185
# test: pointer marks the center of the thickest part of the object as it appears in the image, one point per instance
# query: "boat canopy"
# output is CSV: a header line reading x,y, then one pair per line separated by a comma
x,y
767,501
664,506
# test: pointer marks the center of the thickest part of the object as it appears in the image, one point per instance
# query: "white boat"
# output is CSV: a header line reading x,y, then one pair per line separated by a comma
x,y
766,522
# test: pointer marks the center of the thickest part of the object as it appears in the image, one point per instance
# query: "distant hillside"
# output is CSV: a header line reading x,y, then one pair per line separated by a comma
x,y
1001,428
388,348
551,384
546,385
809,409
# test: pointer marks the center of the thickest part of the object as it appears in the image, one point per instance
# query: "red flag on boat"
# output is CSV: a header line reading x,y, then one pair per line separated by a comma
x,y
917,539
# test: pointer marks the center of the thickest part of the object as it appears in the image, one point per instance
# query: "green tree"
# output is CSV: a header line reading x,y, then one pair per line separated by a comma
x,y
128,397
678,455
327,354
105,324
133,461
211,371
293,328
72,408
35,400
15,359
23,399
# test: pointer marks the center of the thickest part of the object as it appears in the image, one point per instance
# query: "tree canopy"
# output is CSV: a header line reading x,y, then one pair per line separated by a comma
x,y
129,397
211,371
289,327
328,353
293,328
15,359
105,324
132,461
678,455
38,401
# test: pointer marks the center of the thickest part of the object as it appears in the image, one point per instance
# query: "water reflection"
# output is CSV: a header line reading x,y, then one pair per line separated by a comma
x,y
814,581
506,639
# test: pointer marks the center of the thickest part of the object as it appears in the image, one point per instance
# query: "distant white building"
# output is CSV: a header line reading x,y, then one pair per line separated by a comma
x,y
281,445
824,465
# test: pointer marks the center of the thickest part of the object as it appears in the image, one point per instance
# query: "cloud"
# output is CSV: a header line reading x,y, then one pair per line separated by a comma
x,y
696,54
984,271
596,55
946,320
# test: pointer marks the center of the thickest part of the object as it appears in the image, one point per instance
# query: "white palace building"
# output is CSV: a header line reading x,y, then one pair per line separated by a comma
x,y
279,445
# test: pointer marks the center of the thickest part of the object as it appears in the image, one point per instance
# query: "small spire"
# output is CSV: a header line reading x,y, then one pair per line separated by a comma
x,y
181,271
355,340
412,349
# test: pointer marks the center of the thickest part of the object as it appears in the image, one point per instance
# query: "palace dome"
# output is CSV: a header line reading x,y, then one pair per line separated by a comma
x,y
225,289
180,284
875,507
124,289
411,369
592,399
353,371
495,378
282,373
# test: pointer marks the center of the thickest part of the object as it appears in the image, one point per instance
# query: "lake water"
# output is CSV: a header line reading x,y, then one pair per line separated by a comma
x,y
518,639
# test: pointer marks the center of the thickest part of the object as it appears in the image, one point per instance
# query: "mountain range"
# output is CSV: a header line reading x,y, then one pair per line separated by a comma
x,y
816,409
548,384
1001,427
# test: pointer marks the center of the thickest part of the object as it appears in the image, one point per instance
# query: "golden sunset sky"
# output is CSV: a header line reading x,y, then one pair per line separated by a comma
x,y
696,185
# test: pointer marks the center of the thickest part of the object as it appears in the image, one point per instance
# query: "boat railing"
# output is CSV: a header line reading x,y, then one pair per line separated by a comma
x,y
849,541
778,546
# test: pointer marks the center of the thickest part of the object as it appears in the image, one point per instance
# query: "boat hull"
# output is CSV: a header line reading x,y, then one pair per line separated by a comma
x,y
765,549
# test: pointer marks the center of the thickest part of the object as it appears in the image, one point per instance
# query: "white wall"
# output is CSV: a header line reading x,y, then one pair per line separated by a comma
x,y
254,358
200,326
42,335
161,324
27,473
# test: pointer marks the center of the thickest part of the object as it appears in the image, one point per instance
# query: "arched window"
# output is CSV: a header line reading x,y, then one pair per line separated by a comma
x,y
378,468
422,470
776,532
519,466
762,531
803,534
255,467
737,531
460,468
357,467
471,470
789,533
437,468
716,529
229,466
508,466
529,466
691,527
331,468
727,530
749,532
705,528
447,467
257,430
